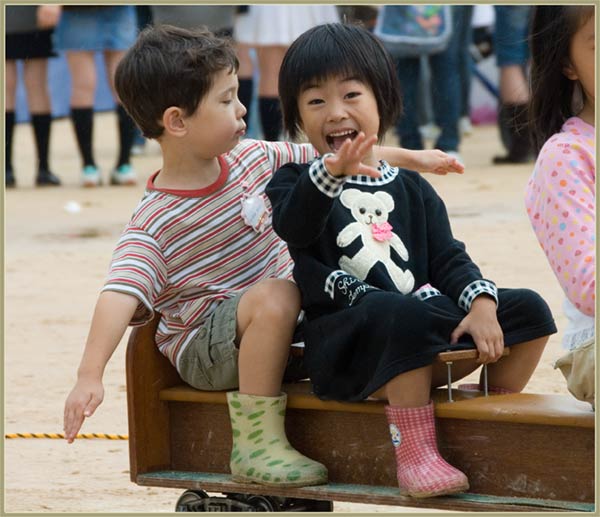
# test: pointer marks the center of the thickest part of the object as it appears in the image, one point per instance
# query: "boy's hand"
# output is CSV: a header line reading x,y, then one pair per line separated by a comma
x,y
435,161
482,324
348,161
81,403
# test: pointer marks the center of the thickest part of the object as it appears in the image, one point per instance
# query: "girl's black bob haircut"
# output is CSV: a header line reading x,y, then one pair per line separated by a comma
x,y
338,50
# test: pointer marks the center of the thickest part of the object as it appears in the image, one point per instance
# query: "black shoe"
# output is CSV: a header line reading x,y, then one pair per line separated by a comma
x,y
9,179
513,121
508,159
45,178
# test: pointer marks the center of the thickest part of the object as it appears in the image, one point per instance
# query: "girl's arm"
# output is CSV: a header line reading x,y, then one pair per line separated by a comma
x,y
560,200
434,160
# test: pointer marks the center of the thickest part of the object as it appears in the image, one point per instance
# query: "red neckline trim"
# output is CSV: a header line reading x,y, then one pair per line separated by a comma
x,y
206,191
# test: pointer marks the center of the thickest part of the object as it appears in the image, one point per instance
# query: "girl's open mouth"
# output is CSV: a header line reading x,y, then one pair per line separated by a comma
x,y
337,138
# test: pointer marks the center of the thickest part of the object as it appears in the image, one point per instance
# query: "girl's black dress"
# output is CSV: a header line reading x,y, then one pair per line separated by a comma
x,y
383,281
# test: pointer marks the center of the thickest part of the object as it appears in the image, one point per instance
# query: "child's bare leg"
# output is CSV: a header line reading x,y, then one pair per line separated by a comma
x,y
410,389
514,371
267,316
509,373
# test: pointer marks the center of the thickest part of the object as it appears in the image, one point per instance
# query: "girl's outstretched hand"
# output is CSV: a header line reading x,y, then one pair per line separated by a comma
x,y
348,161
436,161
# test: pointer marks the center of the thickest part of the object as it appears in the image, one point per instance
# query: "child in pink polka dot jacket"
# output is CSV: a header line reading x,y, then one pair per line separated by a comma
x,y
561,194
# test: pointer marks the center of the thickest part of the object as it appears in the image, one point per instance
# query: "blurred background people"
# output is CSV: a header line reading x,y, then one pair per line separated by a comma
x,y
512,56
270,29
82,31
29,31
448,86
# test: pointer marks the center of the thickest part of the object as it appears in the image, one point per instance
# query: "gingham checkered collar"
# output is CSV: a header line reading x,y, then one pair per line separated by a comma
x,y
388,174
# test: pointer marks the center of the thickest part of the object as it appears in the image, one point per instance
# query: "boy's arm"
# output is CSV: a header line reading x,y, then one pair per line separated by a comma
x,y
434,160
112,315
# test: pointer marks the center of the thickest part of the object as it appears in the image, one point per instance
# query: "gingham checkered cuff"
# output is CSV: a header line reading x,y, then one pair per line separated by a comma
x,y
473,290
330,281
325,182
425,292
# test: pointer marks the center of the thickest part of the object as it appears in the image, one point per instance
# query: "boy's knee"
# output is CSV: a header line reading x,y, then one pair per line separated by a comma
x,y
276,300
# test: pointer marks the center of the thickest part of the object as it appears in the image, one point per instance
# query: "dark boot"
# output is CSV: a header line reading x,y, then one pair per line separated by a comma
x,y
9,178
513,122
46,178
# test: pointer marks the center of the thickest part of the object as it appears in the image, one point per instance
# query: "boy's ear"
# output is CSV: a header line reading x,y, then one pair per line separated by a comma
x,y
173,120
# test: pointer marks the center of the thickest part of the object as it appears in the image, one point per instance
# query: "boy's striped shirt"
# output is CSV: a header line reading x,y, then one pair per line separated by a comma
x,y
182,253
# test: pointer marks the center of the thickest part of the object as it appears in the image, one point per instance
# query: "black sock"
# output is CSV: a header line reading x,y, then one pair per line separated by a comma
x,y
245,95
270,117
126,135
83,122
41,129
9,119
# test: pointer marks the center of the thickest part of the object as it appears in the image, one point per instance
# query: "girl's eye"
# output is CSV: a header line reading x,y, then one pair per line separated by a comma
x,y
351,95
229,101
315,101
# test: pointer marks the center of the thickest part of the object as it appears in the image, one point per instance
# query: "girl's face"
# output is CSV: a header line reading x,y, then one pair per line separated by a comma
x,y
336,109
582,60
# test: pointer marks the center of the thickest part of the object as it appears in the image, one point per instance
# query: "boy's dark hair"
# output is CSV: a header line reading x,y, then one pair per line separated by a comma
x,y
169,66
552,29
337,49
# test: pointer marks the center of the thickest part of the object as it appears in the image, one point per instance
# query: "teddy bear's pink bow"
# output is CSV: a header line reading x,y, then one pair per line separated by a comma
x,y
382,232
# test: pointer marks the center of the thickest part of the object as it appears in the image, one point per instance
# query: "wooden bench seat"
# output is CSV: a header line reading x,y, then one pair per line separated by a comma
x,y
524,447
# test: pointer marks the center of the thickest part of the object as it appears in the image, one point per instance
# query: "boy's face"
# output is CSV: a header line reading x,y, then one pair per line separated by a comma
x,y
336,109
217,124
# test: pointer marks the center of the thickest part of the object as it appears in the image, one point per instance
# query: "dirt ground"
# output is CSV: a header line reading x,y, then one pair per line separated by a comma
x,y
58,244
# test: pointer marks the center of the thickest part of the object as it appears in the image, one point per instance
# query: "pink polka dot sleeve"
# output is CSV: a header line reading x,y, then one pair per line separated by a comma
x,y
560,200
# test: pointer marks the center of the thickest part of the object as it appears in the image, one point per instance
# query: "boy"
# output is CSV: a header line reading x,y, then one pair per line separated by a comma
x,y
200,250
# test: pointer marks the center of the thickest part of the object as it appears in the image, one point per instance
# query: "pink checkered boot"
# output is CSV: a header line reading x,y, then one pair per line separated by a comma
x,y
492,390
421,470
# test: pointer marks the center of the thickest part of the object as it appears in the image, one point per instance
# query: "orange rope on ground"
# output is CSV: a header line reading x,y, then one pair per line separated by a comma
x,y
57,436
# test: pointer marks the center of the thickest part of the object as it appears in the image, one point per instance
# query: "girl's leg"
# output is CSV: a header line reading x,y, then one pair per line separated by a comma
x,y
83,88
421,470
509,374
261,453
38,99
514,371
269,61
9,120
123,173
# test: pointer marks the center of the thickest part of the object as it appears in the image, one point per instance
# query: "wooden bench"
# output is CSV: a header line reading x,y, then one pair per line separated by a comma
x,y
521,452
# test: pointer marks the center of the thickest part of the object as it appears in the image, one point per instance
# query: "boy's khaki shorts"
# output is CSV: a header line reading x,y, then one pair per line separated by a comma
x,y
210,361
578,368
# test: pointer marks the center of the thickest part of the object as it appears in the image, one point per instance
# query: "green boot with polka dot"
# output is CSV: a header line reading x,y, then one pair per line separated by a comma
x,y
261,452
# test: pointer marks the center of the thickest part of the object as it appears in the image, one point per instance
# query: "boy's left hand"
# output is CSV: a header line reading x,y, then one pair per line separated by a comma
x,y
482,324
436,162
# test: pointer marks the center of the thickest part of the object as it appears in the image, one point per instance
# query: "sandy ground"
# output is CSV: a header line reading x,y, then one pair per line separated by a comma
x,y
55,262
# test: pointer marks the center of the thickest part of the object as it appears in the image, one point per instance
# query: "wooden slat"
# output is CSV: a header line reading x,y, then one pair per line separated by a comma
x,y
148,372
357,493
460,355
560,410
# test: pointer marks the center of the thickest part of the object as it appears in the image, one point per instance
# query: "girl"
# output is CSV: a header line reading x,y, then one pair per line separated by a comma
x,y
561,194
384,284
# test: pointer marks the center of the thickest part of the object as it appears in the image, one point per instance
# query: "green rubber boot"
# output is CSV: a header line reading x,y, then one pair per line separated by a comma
x,y
261,452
